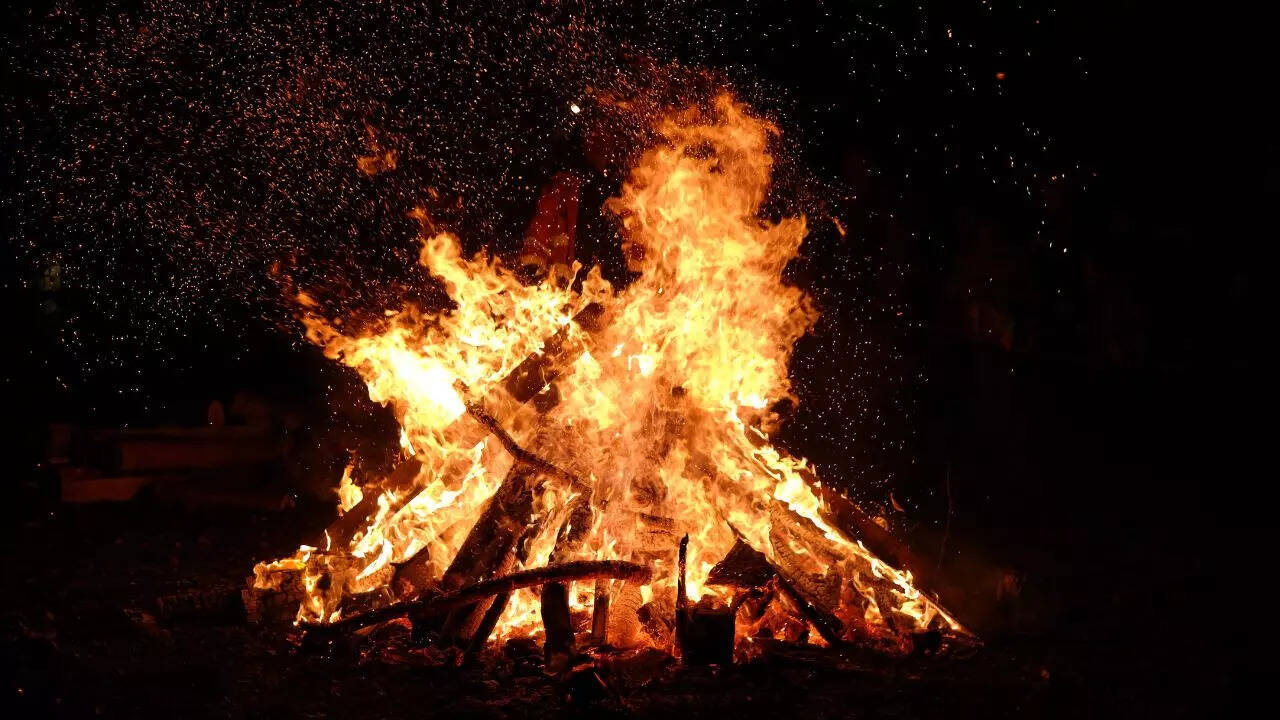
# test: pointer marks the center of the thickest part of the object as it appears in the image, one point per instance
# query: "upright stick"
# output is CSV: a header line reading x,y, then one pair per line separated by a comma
x,y
682,600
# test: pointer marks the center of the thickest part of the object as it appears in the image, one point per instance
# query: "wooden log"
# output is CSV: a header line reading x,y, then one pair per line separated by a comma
x,y
413,572
600,613
558,647
657,618
624,621
559,643
579,570
756,600
828,626
819,590
845,515
489,621
521,455
493,537
202,604
856,524
495,533
742,568
682,597
276,605
355,519
539,370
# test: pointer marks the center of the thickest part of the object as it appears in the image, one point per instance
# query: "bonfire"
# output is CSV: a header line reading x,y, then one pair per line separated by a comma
x,y
590,465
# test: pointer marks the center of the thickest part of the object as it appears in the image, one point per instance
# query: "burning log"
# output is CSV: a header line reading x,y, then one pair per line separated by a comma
x,y
559,643
600,613
487,624
845,516
682,597
537,371
852,524
756,600
490,538
579,570
742,568
493,537
495,533
624,617
850,520
620,614
491,616
748,564
521,455
340,531
821,591
841,512
558,624
657,619
828,626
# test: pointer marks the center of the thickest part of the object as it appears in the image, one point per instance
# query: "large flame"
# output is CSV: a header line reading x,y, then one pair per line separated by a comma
x,y
663,412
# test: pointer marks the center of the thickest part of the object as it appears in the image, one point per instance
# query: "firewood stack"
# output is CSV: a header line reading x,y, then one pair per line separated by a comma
x,y
475,589
611,484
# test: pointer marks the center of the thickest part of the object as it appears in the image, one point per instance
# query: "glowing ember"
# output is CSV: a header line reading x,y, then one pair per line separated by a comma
x,y
656,422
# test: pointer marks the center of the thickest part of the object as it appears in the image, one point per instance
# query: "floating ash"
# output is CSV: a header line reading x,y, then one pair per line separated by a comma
x,y
590,463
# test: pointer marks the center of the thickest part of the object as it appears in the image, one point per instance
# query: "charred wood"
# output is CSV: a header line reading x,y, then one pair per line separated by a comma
x,y
493,537
487,623
624,621
682,598
537,371
657,618
521,455
340,531
743,568
600,613
827,624
558,625
491,616
819,590
556,621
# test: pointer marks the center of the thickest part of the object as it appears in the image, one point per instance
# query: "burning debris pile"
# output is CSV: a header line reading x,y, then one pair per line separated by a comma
x,y
584,461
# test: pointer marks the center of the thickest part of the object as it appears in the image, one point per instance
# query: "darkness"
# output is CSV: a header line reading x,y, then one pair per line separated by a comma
x,y
1042,313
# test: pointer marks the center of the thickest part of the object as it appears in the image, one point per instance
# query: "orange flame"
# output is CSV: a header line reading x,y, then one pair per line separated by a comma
x,y
660,412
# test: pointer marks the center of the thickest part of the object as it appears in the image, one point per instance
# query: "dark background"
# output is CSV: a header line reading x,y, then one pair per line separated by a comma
x,y
1045,305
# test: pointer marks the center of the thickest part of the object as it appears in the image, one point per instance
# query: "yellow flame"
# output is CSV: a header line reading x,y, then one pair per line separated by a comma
x,y
349,494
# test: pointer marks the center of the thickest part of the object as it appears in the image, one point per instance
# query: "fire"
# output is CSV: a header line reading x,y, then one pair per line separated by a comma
x,y
658,419
349,494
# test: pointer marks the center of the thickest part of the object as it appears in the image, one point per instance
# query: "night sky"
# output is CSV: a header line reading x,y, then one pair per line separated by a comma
x,y
1045,247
